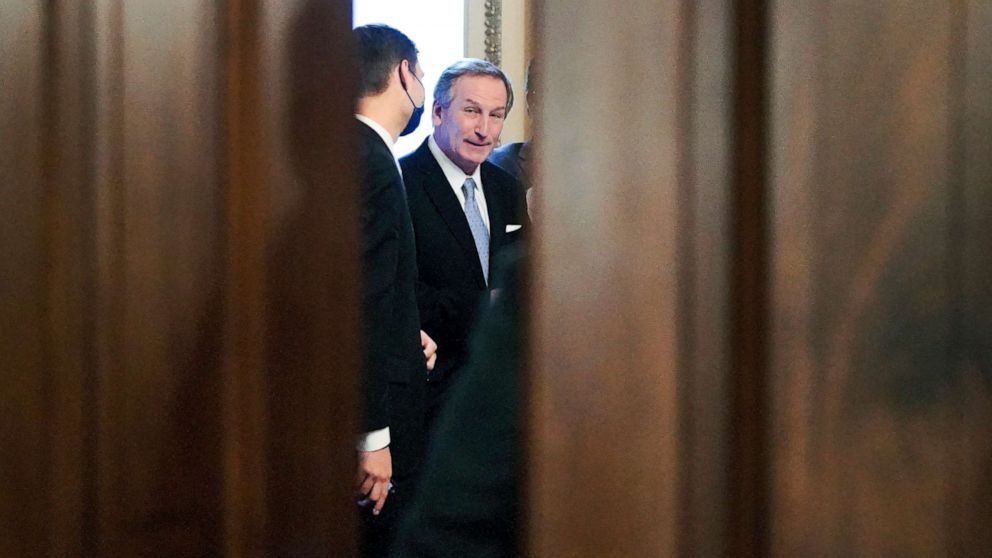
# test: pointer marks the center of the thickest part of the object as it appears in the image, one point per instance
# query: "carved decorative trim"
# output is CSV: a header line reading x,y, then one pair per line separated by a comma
x,y
494,31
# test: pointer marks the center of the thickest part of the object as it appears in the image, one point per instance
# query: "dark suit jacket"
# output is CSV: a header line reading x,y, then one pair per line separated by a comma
x,y
468,499
451,283
394,386
514,158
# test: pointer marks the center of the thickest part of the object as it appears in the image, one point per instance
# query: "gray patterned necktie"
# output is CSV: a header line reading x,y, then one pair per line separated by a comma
x,y
477,225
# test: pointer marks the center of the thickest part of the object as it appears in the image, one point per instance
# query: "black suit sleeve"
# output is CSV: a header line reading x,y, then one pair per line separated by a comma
x,y
380,254
447,313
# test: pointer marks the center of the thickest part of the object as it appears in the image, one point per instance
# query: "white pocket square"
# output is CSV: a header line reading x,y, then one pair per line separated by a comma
x,y
512,228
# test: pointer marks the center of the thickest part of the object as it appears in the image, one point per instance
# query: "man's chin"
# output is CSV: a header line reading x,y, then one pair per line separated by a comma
x,y
475,159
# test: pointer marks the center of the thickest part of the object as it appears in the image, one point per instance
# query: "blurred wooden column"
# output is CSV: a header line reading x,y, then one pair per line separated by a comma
x,y
179,281
881,346
762,303
45,317
628,407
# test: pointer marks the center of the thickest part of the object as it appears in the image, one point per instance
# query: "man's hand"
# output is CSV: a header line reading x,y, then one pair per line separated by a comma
x,y
375,469
430,349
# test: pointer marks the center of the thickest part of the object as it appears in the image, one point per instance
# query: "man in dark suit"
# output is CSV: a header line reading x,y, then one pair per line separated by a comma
x,y
393,442
464,210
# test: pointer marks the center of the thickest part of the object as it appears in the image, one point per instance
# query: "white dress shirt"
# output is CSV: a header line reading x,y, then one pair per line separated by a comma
x,y
456,178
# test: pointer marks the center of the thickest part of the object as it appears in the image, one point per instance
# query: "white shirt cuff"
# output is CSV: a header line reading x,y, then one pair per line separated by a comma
x,y
375,440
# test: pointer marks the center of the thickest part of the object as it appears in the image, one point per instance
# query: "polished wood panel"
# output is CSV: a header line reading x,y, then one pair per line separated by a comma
x,y
160,435
971,486
879,383
604,414
638,293
706,94
24,512
180,298
815,338
314,358
747,456
179,303
45,337
67,170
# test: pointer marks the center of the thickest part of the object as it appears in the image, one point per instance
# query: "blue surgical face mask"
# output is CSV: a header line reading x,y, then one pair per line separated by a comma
x,y
418,112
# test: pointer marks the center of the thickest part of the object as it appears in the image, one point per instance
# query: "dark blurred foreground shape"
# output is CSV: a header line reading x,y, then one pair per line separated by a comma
x,y
761,287
469,499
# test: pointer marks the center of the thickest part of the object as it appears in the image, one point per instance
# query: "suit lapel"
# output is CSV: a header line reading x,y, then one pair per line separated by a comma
x,y
439,191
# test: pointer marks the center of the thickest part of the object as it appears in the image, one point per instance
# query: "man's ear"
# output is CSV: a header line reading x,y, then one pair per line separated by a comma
x,y
436,113
401,67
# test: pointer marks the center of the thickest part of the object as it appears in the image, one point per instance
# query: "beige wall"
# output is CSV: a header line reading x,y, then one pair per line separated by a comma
x,y
514,54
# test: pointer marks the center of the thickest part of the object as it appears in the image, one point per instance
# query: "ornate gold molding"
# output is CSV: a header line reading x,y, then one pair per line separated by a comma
x,y
494,31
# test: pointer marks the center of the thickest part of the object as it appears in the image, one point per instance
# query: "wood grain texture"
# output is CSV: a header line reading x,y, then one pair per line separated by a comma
x,y
24,512
880,404
632,349
603,412
162,282
747,459
314,356
704,264
863,430
179,282
46,333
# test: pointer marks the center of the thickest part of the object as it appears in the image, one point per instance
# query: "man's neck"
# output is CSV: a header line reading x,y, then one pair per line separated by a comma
x,y
455,174
384,112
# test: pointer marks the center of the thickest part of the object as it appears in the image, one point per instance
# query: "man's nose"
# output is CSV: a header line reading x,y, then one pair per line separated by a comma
x,y
482,129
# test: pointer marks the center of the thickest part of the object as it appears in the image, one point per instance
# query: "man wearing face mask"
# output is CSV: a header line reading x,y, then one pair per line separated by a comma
x,y
465,210
398,354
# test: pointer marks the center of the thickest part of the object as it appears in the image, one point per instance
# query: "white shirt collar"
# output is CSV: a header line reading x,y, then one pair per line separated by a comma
x,y
456,178
455,175
383,133
386,138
